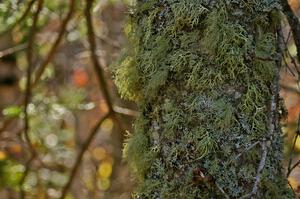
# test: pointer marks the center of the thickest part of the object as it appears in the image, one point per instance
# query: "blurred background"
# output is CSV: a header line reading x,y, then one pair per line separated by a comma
x,y
58,144
66,103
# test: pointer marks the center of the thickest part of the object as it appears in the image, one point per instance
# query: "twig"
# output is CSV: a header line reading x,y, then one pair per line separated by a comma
x,y
25,174
53,49
290,89
261,166
290,167
23,17
288,67
294,166
93,49
247,149
29,56
13,49
125,111
29,71
294,24
223,192
293,61
85,146
292,188
273,118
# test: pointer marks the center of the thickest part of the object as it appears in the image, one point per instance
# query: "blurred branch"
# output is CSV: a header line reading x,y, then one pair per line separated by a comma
x,y
293,61
290,88
85,146
13,49
247,149
125,111
53,49
294,24
290,167
97,66
288,67
93,49
48,58
23,17
109,41
28,90
104,90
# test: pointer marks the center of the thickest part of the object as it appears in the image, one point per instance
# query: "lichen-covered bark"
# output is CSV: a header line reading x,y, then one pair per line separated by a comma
x,y
202,73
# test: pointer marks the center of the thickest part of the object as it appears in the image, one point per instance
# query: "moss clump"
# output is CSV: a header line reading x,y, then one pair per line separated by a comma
x,y
201,75
226,41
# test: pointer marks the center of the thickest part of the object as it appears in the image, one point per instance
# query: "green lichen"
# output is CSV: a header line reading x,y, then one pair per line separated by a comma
x,y
201,75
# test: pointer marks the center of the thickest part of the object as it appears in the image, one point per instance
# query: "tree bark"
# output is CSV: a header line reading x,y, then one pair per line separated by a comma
x,y
205,76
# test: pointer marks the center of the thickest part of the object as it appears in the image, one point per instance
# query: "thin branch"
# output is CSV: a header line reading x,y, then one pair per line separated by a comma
x,y
125,111
29,57
292,188
290,167
261,166
22,17
85,146
53,49
286,49
288,67
93,49
25,174
294,24
247,149
13,49
222,191
104,90
295,165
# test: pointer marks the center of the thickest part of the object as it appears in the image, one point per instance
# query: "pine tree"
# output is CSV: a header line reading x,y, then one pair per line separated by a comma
x,y
204,74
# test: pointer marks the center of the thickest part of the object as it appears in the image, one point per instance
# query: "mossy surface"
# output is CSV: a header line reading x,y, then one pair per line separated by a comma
x,y
200,76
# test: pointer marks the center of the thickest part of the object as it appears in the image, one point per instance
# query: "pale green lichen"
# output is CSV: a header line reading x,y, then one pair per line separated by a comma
x,y
201,75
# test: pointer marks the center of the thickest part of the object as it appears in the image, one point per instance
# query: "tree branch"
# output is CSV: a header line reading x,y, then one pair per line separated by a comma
x,y
23,17
13,49
29,57
53,49
294,24
104,90
85,146
93,49
261,166
290,167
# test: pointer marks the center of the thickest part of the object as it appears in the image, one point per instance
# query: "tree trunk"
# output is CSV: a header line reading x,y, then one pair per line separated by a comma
x,y
205,76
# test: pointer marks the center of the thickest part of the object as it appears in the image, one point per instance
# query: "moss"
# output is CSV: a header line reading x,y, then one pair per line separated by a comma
x,y
226,41
201,75
127,79
188,13
137,150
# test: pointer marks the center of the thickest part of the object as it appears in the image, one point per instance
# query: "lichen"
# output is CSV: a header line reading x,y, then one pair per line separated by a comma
x,y
201,75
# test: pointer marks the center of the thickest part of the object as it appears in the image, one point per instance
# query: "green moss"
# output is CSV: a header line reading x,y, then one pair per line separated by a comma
x,y
226,41
127,79
137,150
188,13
